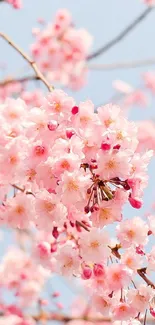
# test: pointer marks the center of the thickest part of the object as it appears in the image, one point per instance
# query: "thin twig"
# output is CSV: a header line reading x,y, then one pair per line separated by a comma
x,y
102,67
65,319
121,35
38,73
10,80
123,65
142,272
82,225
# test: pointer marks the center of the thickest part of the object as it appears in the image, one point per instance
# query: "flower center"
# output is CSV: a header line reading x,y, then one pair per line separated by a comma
x,y
13,160
94,244
108,122
49,206
104,213
65,164
19,209
72,186
111,164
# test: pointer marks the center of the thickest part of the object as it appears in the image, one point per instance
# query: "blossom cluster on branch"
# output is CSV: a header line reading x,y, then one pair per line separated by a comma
x,y
71,171
60,50
67,173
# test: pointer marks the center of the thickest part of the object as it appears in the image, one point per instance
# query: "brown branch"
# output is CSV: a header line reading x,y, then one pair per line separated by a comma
x,y
121,35
9,80
142,274
123,65
66,319
38,73
103,67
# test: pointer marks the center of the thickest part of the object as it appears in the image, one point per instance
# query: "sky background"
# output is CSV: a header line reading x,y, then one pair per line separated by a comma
x,y
104,20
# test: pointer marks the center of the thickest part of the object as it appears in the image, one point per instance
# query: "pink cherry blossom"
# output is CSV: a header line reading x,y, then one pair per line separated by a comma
x,y
131,259
94,245
68,260
123,311
132,232
118,277
61,50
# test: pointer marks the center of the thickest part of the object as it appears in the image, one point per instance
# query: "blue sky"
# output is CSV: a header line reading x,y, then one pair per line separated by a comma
x,y
103,19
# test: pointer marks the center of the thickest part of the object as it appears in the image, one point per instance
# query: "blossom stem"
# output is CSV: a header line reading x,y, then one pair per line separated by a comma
x,y
81,224
32,63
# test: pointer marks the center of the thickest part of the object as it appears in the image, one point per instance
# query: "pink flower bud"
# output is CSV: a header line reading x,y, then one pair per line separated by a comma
x,y
98,270
52,125
87,273
23,276
152,311
117,147
139,250
135,203
39,150
105,146
44,249
75,110
69,133
59,305
44,302
55,232
56,294
53,248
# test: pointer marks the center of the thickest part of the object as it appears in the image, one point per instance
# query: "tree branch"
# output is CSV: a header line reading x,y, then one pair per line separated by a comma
x,y
9,80
65,319
121,35
123,65
38,73
142,272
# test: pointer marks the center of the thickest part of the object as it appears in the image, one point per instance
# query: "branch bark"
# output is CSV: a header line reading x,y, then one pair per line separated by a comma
x,y
9,80
122,34
38,73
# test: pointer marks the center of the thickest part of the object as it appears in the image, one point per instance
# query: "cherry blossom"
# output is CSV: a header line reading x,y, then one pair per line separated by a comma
x,y
59,47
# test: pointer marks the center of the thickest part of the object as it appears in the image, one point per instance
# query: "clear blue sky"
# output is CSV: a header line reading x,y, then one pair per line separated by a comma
x,y
103,19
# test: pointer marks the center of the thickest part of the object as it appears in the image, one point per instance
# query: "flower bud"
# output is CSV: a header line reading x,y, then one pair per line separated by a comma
x,y
135,203
87,273
52,125
55,232
44,249
75,110
105,146
152,311
69,133
98,270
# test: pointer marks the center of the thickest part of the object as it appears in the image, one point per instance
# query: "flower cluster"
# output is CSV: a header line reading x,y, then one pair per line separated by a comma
x,y
71,170
25,281
60,51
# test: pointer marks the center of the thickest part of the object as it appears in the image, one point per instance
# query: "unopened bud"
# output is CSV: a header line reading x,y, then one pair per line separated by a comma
x,y
135,203
87,273
98,270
